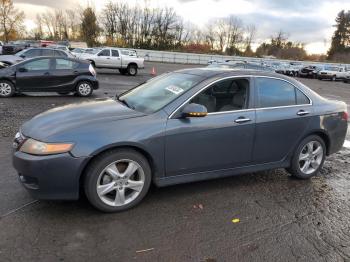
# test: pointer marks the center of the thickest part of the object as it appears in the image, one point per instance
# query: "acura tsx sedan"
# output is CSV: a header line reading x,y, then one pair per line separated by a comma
x,y
184,126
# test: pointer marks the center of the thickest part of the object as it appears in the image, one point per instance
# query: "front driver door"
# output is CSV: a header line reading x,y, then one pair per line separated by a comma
x,y
103,58
221,140
35,75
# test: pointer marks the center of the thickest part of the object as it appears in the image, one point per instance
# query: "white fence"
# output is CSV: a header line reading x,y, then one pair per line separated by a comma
x,y
190,58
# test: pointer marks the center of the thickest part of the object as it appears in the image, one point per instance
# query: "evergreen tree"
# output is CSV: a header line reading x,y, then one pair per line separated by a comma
x,y
89,27
341,36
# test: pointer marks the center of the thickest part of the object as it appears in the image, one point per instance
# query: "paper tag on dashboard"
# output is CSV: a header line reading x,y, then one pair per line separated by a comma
x,y
175,89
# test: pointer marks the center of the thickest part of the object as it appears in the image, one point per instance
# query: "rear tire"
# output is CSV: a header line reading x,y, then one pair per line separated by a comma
x,y
334,78
84,89
7,89
117,180
308,158
132,70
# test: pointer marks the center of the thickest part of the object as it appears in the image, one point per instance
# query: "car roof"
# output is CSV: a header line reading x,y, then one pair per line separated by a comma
x,y
56,57
223,72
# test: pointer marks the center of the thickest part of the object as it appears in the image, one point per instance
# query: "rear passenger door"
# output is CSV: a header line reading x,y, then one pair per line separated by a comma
x,y
116,60
282,115
65,71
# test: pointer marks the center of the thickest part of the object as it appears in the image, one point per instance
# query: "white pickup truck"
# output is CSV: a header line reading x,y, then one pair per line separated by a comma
x,y
332,72
125,60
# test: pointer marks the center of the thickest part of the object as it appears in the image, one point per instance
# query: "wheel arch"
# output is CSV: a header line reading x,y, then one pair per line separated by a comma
x,y
136,148
133,63
323,135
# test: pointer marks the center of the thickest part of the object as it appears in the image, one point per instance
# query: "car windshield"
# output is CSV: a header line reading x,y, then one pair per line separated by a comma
x,y
158,92
331,68
21,52
92,51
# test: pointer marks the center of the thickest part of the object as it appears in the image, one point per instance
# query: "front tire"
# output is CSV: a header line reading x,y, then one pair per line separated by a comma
x,y
334,78
84,89
117,180
7,89
308,158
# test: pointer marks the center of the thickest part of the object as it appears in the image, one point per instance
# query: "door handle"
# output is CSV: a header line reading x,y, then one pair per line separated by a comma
x,y
303,113
75,72
47,73
108,58
242,120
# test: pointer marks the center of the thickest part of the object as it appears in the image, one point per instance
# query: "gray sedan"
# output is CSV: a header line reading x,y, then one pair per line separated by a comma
x,y
180,127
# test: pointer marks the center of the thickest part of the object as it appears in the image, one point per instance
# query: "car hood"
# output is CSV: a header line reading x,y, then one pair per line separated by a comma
x,y
73,116
11,58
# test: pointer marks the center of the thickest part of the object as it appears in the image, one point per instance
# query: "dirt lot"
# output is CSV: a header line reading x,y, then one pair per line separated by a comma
x,y
281,219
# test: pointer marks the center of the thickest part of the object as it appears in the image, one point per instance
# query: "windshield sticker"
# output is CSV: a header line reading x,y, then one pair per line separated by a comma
x,y
175,89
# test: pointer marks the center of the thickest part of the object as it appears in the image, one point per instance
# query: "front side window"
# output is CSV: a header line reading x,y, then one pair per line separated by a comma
x,y
275,92
160,91
226,95
41,64
104,52
65,64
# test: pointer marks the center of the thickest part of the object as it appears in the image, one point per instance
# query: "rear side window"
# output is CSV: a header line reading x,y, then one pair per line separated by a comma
x,y
41,64
47,52
301,98
66,64
115,53
274,92
60,53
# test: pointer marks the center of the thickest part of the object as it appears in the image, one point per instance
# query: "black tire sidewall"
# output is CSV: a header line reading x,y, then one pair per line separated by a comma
x,y
96,167
78,92
295,169
13,90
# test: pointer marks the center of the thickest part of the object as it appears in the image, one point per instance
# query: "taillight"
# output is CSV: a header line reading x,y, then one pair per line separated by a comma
x,y
92,70
345,116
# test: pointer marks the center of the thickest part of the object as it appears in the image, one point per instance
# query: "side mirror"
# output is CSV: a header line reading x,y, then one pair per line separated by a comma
x,y
194,110
22,70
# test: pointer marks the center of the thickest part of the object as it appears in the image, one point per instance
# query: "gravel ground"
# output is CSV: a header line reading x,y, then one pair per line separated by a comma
x,y
280,218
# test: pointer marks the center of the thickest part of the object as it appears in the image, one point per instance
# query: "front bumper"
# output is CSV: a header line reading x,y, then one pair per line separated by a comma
x,y
54,177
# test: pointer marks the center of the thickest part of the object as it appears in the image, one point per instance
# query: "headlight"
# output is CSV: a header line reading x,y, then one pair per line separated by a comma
x,y
34,147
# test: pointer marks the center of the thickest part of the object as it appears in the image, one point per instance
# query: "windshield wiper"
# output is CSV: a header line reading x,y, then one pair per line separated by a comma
x,y
125,103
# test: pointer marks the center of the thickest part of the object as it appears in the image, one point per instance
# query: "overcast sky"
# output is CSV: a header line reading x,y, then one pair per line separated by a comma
x,y
306,21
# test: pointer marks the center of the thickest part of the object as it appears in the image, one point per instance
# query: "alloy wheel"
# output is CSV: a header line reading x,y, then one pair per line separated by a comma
x,y
5,89
120,182
84,89
310,157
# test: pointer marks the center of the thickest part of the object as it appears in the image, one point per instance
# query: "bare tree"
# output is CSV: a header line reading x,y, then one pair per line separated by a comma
x,y
11,20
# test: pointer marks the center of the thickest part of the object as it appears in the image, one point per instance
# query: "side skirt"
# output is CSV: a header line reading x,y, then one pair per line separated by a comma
x,y
193,177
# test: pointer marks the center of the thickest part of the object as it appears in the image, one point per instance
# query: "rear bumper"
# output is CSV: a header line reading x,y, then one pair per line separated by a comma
x,y
95,84
54,177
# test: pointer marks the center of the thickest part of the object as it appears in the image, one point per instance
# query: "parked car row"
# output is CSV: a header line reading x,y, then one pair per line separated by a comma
x,y
126,61
295,69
